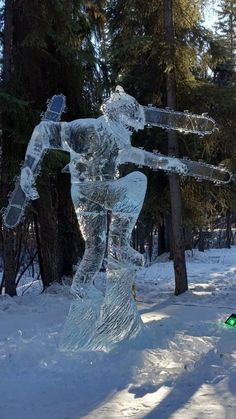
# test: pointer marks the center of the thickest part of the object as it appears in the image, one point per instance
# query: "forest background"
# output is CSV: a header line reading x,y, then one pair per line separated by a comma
x,y
159,52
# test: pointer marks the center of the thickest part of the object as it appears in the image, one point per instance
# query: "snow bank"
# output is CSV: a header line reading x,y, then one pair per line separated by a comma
x,y
182,366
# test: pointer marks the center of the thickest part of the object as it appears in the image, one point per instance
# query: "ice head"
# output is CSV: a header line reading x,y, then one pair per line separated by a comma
x,y
124,110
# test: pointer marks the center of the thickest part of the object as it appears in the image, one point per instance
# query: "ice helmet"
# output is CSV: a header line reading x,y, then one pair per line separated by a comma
x,y
124,109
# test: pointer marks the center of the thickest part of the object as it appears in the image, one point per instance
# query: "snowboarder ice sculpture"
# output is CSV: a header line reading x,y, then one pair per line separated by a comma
x,y
97,147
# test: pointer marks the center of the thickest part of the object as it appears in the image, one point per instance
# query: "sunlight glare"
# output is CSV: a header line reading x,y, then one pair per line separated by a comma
x,y
154,316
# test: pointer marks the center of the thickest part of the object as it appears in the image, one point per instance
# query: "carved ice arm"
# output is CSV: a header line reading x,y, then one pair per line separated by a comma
x,y
154,161
46,135
197,169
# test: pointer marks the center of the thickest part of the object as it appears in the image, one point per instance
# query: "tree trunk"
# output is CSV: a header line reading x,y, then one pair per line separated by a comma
x,y
181,283
9,263
201,243
39,247
141,237
150,244
228,229
7,43
168,235
188,238
161,237
9,237
71,242
46,208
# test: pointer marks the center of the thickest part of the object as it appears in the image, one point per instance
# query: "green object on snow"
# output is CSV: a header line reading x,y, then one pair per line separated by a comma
x,y
231,321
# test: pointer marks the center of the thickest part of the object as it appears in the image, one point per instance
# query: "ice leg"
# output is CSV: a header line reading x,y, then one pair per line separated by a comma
x,y
84,313
93,225
124,217
119,317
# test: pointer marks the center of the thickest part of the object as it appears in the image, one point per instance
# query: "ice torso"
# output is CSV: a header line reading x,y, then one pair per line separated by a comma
x,y
94,150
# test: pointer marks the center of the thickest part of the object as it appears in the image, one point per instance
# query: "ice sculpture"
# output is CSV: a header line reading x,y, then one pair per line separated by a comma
x,y
97,147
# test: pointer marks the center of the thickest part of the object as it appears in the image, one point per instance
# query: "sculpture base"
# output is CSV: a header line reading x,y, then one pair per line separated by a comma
x,y
99,324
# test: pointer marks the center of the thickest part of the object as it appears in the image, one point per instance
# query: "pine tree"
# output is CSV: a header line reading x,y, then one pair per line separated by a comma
x,y
181,283
226,27
226,39
218,93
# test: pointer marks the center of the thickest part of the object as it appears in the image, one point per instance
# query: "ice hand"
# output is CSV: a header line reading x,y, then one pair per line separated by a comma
x,y
27,182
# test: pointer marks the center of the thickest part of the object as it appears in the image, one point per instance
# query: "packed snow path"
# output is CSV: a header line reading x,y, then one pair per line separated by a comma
x,y
183,365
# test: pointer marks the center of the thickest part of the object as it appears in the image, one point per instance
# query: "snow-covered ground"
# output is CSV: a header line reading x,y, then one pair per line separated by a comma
x,y
183,365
